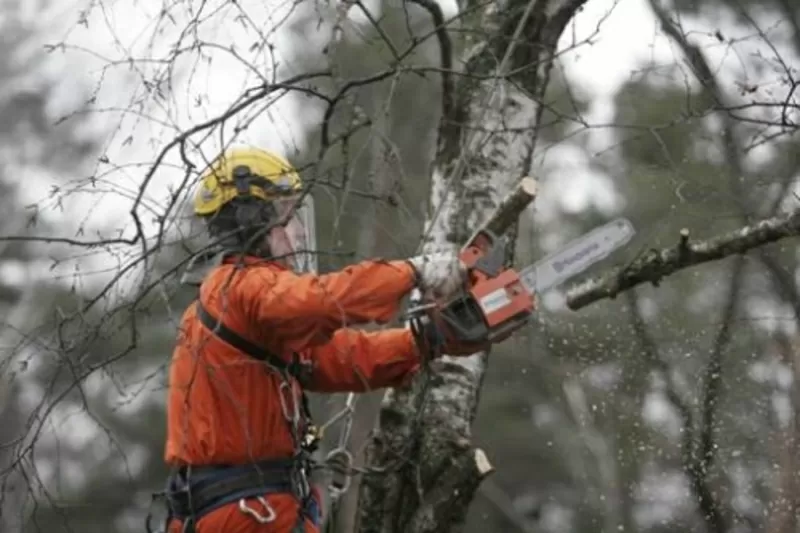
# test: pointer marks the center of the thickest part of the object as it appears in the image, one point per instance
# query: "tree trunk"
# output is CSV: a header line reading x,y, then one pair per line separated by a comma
x,y
424,468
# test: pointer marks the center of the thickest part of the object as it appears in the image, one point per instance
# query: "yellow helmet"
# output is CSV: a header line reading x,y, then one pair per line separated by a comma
x,y
251,173
244,172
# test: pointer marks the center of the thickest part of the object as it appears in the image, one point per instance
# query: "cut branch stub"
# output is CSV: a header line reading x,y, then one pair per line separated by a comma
x,y
511,207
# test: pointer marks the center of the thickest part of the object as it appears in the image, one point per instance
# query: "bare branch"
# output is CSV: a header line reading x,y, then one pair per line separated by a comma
x,y
445,53
652,266
697,458
650,349
698,462
712,379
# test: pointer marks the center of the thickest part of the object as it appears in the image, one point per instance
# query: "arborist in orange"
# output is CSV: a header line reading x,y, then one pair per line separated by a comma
x,y
264,328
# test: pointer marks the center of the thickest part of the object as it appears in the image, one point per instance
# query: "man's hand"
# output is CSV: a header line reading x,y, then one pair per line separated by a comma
x,y
435,338
439,275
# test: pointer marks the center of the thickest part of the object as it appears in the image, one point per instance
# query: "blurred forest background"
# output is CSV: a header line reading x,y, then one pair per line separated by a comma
x,y
670,408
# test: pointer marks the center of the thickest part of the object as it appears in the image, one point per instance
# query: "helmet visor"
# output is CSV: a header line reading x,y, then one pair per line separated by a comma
x,y
293,239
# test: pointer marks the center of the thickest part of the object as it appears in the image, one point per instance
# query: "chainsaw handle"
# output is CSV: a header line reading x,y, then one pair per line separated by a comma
x,y
484,256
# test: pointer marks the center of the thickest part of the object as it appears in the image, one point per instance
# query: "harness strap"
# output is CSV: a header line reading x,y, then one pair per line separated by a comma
x,y
199,490
295,369
193,493
243,345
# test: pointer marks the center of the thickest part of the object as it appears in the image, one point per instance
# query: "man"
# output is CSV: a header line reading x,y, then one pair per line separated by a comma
x,y
264,329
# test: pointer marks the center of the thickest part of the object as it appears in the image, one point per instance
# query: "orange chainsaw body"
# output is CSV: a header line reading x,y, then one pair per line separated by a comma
x,y
496,303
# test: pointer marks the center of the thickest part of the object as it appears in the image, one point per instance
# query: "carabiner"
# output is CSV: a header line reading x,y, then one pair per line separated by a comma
x,y
292,415
258,517
347,410
341,477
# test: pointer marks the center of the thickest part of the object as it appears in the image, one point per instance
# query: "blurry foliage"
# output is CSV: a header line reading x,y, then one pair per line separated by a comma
x,y
32,147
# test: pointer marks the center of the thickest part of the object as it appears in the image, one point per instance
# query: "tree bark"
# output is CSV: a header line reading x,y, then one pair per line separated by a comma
x,y
425,470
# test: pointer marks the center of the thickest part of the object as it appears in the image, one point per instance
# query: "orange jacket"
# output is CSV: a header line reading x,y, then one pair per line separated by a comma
x,y
224,406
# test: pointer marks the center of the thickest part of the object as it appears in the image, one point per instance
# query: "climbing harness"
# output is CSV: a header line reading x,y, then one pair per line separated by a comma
x,y
193,492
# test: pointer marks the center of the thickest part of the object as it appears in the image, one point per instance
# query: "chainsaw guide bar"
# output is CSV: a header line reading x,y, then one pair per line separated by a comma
x,y
577,256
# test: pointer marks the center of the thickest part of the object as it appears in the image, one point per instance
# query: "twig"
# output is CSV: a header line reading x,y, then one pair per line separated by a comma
x,y
650,349
698,468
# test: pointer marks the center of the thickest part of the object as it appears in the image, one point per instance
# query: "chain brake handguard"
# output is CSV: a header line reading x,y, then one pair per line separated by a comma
x,y
496,303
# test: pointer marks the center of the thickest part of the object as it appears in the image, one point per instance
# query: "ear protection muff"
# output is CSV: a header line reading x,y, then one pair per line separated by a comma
x,y
246,213
250,213
241,179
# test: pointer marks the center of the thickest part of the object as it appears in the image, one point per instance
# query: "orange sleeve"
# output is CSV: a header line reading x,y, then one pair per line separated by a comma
x,y
296,312
358,361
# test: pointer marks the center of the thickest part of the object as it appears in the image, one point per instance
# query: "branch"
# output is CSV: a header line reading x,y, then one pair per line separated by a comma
x,y
696,463
445,53
654,265
701,462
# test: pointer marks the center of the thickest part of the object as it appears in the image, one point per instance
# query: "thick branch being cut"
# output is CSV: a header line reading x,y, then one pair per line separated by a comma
x,y
654,265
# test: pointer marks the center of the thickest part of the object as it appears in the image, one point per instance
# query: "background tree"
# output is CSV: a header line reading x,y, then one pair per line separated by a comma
x,y
33,153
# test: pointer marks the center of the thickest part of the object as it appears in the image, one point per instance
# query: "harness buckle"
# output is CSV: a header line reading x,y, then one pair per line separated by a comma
x,y
299,477
258,517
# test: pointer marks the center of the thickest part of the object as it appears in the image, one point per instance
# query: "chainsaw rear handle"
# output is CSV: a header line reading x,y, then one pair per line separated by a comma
x,y
468,322
464,319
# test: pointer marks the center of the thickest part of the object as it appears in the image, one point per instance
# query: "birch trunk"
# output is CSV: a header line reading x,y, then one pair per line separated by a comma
x,y
425,469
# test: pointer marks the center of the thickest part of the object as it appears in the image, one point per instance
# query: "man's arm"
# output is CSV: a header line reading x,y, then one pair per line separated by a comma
x,y
296,312
359,361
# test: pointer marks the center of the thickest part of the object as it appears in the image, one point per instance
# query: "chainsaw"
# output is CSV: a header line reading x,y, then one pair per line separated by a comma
x,y
499,300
